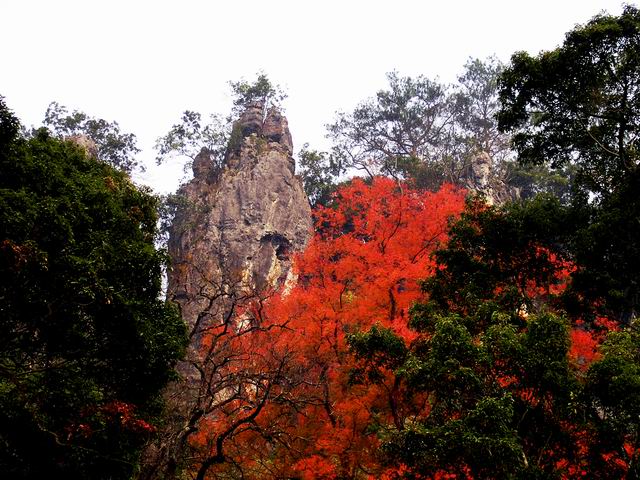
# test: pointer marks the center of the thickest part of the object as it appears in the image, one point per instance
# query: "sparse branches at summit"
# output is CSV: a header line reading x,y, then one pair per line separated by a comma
x,y
421,129
409,120
193,135
113,146
477,104
261,91
190,136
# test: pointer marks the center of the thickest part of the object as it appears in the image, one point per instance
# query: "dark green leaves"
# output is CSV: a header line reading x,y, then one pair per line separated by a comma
x,y
380,349
86,345
579,103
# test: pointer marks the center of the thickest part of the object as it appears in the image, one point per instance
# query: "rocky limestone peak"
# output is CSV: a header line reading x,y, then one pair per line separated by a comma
x,y
481,169
276,129
87,144
251,119
483,179
204,167
239,225
232,243
257,129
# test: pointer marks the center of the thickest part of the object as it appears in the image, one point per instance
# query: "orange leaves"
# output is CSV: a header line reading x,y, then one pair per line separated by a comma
x,y
373,247
362,268
364,265
584,347
558,277
281,368
615,462
17,256
586,340
315,467
124,414
114,414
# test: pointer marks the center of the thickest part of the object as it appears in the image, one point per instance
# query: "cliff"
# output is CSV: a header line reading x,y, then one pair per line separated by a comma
x,y
238,225
482,178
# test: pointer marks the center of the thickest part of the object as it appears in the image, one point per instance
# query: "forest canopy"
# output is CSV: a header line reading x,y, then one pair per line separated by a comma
x,y
466,310
87,346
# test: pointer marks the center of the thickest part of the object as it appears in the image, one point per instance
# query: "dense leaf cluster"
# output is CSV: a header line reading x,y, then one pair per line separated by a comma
x,y
85,343
580,104
527,346
578,108
507,394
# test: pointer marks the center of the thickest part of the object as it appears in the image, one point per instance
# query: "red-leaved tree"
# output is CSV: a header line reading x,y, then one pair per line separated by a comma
x,y
297,411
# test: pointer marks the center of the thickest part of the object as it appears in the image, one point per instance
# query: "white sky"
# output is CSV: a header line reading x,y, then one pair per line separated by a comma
x,y
142,63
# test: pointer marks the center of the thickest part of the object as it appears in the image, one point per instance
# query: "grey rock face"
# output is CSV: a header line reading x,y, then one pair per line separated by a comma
x,y
238,227
83,141
275,129
482,179
231,244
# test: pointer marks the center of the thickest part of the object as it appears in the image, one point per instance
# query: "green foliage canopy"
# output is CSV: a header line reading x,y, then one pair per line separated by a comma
x,y
578,108
319,172
579,104
86,345
500,395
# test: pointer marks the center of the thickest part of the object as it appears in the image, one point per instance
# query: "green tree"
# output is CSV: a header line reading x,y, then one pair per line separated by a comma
x,y
531,180
319,172
261,91
496,398
410,120
113,146
479,367
191,136
86,345
579,104
490,373
613,392
495,254
426,131
606,249
578,107
477,104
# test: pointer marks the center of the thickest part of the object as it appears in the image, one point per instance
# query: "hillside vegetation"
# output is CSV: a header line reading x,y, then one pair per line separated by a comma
x,y
466,309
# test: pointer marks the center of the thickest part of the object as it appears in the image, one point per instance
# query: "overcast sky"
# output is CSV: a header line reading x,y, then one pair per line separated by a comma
x,y
142,63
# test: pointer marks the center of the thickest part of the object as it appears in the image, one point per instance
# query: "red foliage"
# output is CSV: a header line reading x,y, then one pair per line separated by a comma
x,y
124,414
114,414
362,269
287,406
558,279
584,347
585,341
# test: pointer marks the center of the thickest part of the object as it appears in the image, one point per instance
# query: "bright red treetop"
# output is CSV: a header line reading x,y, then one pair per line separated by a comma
x,y
297,412
362,268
